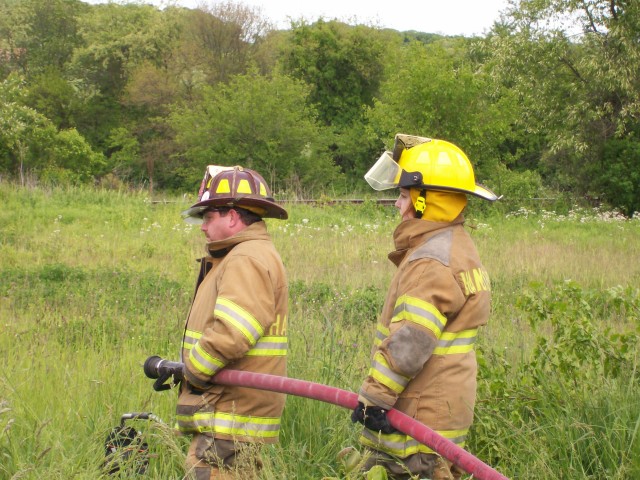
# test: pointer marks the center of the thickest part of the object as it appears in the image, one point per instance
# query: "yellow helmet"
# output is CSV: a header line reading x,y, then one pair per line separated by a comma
x,y
426,164
234,187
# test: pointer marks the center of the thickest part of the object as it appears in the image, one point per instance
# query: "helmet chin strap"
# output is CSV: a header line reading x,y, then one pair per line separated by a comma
x,y
421,203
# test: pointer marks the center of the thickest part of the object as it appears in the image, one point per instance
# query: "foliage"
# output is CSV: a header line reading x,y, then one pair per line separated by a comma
x,y
575,80
450,105
30,142
341,64
570,390
93,281
220,39
548,96
617,176
258,122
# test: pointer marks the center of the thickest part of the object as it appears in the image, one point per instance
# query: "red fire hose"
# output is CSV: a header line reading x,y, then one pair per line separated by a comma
x,y
163,370
342,398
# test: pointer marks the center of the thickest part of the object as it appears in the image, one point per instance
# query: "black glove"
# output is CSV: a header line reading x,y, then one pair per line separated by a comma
x,y
374,418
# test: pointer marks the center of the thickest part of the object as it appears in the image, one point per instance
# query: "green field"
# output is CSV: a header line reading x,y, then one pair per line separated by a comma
x,y
92,282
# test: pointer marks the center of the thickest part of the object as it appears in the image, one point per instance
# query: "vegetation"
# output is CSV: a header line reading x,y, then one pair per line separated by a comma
x,y
93,281
108,114
115,94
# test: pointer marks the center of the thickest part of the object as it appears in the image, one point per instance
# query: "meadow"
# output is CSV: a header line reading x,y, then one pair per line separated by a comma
x,y
92,282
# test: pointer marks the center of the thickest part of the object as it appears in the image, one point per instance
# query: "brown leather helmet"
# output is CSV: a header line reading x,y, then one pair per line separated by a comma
x,y
235,187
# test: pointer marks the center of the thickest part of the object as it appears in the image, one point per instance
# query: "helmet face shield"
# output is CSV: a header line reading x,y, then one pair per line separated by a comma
x,y
384,174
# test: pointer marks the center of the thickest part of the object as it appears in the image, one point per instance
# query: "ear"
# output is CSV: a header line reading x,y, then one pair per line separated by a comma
x,y
234,218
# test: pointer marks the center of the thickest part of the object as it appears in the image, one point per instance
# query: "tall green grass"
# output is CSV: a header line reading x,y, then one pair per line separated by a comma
x,y
92,282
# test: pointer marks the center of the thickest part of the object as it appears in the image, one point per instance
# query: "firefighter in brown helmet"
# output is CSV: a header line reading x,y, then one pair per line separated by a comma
x,y
238,319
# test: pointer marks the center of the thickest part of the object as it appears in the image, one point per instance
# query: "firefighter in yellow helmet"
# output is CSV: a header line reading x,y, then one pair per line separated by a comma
x,y
238,320
423,361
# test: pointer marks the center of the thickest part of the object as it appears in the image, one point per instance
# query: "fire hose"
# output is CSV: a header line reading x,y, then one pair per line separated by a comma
x,y
163,370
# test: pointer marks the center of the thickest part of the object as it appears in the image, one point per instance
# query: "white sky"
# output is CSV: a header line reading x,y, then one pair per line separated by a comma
x,y
447,17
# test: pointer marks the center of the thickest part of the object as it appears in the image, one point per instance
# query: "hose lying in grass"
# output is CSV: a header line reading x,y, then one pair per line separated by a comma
x,y
155,367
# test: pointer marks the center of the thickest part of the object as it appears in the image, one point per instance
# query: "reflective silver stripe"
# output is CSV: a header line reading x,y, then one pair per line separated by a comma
x,y
262,427
239,318
456,342
382,333
190,339
381,372
403,445
269,346
420,312
203,361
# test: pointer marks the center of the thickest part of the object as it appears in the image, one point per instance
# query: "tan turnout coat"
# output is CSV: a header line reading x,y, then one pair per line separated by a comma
x,y
237,321
423,359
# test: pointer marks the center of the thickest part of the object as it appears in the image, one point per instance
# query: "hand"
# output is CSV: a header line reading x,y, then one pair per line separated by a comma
x,y
372,417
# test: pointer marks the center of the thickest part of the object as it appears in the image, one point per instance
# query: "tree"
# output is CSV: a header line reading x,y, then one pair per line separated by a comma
x,y
342,64
52,95
23,131
258,122
578,88
436,90
220,41
29,142
52,33
13,35
118,38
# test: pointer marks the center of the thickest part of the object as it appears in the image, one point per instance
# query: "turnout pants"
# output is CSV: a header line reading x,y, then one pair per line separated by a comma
x,y
209,458
423,465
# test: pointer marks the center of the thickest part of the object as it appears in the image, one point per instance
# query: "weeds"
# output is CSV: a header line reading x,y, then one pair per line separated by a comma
x,y
93,282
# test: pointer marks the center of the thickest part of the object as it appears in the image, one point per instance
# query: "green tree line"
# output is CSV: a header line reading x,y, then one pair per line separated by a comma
x,y
545,104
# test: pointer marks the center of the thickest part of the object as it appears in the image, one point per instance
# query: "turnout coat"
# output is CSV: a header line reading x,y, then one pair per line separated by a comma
x,y
423,360
237,320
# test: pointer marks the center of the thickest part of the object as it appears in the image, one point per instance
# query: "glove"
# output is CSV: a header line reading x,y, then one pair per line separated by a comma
x,y
172,369
374,418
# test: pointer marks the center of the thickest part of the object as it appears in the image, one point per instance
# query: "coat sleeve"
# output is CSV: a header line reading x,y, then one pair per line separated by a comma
x,y
243,312
426,300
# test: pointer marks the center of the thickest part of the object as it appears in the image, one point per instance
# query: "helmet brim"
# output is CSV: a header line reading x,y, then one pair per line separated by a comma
x,y
485,193
479,191
257,205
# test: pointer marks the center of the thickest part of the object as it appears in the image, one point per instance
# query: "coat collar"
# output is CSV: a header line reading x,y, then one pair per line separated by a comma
x,y
414,232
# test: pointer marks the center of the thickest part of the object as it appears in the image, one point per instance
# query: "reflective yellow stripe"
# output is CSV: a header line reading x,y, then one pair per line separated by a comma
x,y
230,424
239,318
203,361
381,371
401,445
269,347
191,337
419,312
382,333
456,342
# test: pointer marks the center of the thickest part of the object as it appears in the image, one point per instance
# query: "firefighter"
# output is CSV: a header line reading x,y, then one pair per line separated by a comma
x,y
423,362
238,320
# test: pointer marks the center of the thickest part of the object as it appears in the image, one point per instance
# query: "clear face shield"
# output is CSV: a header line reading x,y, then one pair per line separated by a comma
x,y
384,174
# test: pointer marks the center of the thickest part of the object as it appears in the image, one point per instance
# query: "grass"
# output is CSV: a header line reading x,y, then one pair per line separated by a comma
x,y
92,282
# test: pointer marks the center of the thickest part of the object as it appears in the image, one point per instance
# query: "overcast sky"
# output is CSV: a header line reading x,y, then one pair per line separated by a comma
x,y
448,17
